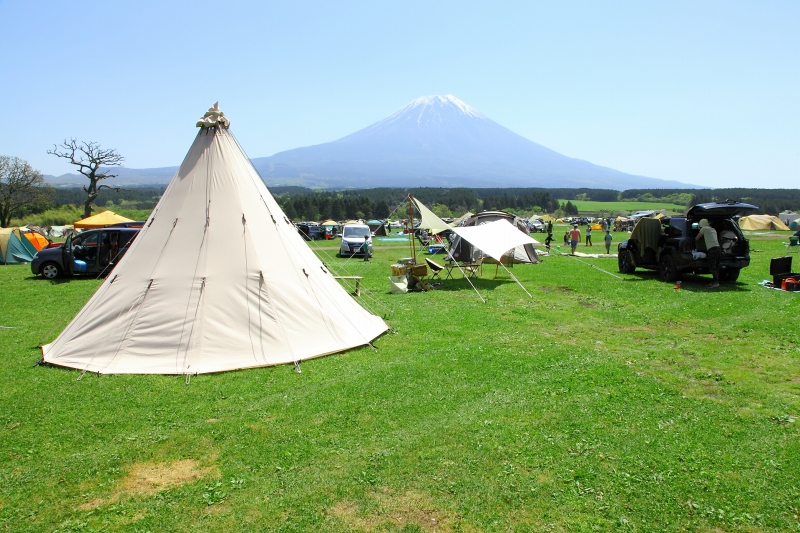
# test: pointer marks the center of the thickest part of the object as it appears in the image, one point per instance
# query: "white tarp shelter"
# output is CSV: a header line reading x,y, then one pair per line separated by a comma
x,y
429,220
494,238
218,279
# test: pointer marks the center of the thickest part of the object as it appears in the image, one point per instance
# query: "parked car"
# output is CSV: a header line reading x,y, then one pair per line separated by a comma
x,y
311,231
353,240
535,225
98,249
669,245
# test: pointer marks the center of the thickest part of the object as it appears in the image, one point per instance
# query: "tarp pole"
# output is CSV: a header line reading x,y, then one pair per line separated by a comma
x,y
411,228
464,274
515,279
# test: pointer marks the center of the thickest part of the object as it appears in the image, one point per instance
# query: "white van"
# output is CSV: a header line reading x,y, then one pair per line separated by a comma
x,y
353,240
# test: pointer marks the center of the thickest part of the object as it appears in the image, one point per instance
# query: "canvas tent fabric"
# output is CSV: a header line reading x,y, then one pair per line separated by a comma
x,y
101,220
14,247
429,220
787,217
762,222
495,238
521,254
218,279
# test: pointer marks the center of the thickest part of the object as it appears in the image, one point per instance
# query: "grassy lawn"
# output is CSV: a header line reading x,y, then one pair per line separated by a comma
x,y
599,405
590,207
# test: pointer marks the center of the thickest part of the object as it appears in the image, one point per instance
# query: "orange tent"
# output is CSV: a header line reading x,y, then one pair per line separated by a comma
x,y
36,239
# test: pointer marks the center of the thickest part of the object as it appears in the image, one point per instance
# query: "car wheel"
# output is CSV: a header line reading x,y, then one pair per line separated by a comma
x,y
666,268
50,270
624,262
729,274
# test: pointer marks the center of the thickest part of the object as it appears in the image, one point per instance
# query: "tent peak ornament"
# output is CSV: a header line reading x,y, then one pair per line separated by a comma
x,y
214,118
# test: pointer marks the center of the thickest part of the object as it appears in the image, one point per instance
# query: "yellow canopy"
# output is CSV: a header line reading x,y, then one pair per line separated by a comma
x,y
101,220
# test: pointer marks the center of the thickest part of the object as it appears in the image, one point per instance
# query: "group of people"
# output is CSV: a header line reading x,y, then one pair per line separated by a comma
x,y
573,237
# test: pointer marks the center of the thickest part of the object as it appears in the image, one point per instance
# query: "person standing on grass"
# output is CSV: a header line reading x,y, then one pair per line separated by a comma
x,y
548,240
365,248
608,238
589,235
713,251
575,236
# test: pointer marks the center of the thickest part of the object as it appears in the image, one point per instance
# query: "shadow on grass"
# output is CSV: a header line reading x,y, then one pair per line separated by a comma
x,y
42,279
460,284
693,283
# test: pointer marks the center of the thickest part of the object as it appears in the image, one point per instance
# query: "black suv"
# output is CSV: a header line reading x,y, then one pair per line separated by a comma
x,y
669,246
99,249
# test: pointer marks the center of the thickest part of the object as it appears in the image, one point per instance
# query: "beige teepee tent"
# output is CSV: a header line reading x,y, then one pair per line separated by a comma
x,y
218,279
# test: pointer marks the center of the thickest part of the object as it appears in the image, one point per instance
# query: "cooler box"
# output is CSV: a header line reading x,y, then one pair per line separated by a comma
x,y
780,268
436,248
80,266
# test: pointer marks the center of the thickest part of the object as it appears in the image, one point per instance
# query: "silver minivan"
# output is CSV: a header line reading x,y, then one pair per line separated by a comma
x,y
353,240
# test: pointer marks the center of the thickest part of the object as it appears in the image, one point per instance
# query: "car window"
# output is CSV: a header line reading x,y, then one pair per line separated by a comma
x,y
355,231
677,226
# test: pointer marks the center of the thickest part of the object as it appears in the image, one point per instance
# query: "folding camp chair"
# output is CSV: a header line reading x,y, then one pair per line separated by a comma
x,y
435,267
473,269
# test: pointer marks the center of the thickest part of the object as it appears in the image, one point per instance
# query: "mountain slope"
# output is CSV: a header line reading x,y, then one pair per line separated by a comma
x,y
440,141
435,141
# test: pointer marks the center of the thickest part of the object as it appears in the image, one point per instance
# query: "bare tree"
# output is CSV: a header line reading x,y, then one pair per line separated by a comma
x,y
20,186
89,158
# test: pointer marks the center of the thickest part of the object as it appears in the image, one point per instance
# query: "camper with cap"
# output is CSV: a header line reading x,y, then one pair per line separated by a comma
x,y
713,250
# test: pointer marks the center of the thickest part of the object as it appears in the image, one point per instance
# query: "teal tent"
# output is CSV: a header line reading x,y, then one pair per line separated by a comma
x,y
14,248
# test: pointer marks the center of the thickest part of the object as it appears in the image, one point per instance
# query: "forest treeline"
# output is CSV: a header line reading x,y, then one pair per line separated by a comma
x,y
303,203
300,203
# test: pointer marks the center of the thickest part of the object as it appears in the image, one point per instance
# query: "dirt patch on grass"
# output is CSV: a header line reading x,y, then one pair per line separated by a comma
x,y
390,510
146,479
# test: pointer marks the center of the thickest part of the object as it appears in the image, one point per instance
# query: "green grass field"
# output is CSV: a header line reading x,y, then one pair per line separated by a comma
x,y
589,207
599,405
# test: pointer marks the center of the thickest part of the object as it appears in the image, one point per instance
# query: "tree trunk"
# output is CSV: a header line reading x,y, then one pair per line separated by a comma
x,y
91,196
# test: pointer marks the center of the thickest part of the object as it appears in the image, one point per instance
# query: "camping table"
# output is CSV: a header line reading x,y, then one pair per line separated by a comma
x,y
470,268
358,279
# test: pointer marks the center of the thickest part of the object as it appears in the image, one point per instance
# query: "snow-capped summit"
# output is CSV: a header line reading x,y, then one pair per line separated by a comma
x,y
430,110
439,141
439,102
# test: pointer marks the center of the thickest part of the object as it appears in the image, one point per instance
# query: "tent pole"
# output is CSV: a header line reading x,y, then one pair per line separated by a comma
x,y
464,274
411,224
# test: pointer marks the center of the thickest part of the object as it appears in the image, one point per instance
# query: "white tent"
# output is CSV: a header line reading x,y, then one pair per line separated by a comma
x,y
218,279
495,238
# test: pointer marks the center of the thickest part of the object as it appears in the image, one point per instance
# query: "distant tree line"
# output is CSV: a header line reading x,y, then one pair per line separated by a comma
x,y
135,198
301,203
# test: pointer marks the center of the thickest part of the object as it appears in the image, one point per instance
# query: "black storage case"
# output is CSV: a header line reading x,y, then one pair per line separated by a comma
x,y
780,268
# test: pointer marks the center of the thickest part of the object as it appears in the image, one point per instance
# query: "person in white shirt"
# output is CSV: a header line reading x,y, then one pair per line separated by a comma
x,y
713,251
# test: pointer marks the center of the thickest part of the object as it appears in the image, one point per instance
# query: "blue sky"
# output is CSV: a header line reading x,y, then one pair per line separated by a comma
x,y
701,92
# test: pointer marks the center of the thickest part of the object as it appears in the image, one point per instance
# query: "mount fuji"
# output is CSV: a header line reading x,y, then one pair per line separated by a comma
x,y
435,141
440,141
